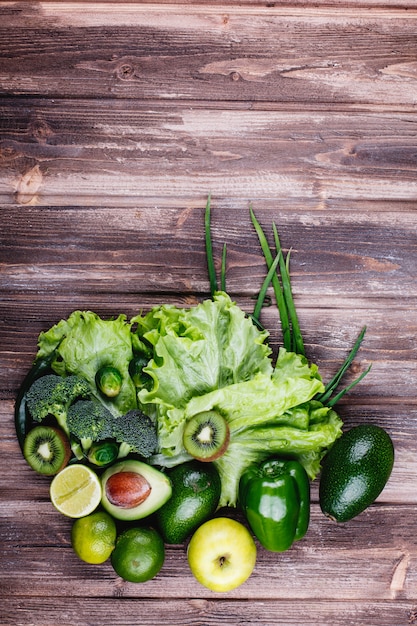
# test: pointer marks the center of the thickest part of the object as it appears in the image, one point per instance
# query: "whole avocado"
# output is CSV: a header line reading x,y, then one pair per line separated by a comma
x,y
195,497
355,471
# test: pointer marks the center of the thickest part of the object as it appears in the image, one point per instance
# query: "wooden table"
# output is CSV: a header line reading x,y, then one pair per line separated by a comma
x,y
117,120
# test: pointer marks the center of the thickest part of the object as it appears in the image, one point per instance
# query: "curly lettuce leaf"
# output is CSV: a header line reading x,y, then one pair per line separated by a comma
x,y
199,349
265,398
83,343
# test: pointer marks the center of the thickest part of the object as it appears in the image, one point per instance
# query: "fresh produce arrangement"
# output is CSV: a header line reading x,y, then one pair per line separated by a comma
x,y
151,428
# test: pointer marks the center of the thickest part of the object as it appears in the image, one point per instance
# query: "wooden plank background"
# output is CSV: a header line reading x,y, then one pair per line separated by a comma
x,y
116,122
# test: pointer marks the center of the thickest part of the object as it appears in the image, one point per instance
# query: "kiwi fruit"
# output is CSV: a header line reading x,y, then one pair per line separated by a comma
x,y
206,436
46,449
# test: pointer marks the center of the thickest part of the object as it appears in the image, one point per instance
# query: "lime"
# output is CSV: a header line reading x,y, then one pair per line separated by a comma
x,y
93,537
139,554
75,491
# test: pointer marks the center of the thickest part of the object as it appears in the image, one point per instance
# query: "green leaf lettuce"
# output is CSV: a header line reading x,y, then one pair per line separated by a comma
x,y
200,349
84,343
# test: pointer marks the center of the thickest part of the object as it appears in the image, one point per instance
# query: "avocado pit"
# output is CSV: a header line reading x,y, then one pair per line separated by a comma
x,y
127,489
132,489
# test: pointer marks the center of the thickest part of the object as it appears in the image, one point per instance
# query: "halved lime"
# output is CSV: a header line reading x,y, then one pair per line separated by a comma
x,y
76,491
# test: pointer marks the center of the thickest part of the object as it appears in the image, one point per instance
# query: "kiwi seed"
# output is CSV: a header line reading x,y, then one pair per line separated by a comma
x,y
206,436
46,449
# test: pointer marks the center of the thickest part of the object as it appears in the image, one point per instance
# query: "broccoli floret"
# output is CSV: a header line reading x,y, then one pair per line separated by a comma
x,y
135,432
89,421
53,395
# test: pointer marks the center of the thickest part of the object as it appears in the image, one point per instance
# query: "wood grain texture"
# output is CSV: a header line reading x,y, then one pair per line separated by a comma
x,y
378,537
374,253
55,152
116,122
151,51
208,611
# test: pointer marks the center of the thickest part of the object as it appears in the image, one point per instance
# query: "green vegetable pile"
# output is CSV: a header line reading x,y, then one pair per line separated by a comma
x,y
212,356
123,387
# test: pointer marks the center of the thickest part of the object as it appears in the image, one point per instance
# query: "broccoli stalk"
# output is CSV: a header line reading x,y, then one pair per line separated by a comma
x,y
135,432
52,395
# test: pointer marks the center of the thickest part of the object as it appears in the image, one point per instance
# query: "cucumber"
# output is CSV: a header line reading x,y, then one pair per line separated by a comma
x,y
355,471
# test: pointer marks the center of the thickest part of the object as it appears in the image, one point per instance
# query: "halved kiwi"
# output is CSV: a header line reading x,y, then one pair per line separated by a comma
x,y
46,449
206,436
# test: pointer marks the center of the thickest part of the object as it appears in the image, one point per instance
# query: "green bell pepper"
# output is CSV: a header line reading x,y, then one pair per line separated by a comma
x,y
275,498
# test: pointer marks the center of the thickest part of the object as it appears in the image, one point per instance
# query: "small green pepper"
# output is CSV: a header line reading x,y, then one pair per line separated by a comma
x,y
275,498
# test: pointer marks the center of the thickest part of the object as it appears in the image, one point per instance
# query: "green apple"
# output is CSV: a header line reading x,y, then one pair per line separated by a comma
x,y
222,554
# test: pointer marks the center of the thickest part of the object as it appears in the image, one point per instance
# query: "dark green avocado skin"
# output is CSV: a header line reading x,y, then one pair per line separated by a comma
x,y
355,471
196,488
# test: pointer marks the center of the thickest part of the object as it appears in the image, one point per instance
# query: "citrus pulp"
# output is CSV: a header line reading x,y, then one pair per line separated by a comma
x,y
75,491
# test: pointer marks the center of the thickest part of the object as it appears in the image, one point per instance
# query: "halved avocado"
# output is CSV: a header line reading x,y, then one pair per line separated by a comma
x,y
133,490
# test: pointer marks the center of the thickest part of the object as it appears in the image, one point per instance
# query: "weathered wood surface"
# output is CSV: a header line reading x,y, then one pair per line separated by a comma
x,y
209,54
59,152
116,121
